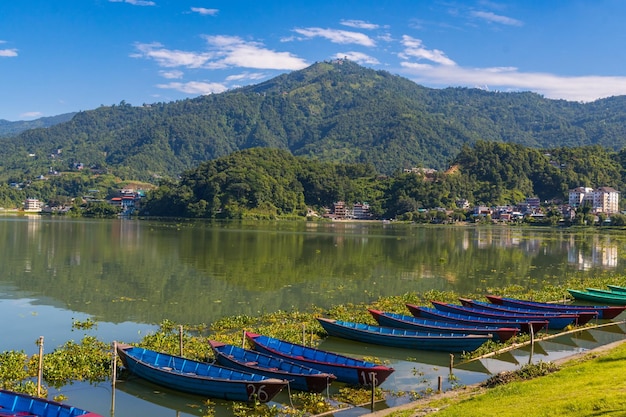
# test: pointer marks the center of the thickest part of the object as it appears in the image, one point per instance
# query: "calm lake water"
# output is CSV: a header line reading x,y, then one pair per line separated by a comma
x,y
129,275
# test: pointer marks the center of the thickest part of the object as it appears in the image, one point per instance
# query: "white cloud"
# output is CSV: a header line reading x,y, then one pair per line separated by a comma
x,y
494,18
204,11
337,36
171,58
135,2
579,88
233,51
358,57
414,48
359,24
174,74
195,87
8,52
246,76
31,115
225,51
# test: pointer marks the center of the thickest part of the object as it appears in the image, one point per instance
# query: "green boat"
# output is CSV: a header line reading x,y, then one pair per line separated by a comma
x,y
597,296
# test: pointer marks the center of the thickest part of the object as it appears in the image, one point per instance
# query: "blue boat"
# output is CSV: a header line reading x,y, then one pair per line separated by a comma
x,y
198,378
557,321
300,377
346,369
17,404
403,338
604,311
524,325
401,321
582,317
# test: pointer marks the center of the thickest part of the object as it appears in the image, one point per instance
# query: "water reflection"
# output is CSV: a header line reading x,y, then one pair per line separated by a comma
x,y
142,271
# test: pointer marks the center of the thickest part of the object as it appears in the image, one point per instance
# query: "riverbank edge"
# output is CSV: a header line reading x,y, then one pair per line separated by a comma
x,y
421,407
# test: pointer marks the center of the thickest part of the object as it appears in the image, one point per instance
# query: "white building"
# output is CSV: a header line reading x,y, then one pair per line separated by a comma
x,y
601,200
32,204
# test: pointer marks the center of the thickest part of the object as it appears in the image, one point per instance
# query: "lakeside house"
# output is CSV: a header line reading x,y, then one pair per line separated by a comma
x,y
601,200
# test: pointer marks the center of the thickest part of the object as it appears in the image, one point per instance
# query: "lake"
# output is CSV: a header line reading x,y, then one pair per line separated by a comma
x,y
129,275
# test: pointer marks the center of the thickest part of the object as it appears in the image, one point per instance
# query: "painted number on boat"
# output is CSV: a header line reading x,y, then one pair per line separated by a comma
x,y
369,378
258,393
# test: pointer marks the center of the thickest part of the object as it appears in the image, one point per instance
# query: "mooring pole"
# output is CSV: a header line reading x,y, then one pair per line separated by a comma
x,y
373,379
40,370
439,383
113,377
532,343
451,363
180,339
303,334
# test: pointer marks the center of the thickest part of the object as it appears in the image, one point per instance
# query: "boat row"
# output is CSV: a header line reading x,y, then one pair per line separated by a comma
x,y
271,364
615,294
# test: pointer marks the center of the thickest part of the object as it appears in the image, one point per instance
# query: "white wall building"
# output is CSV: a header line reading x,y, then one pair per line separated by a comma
x,y
602,200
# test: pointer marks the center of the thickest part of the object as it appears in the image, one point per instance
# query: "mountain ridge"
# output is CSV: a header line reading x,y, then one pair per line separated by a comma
x,y
334,111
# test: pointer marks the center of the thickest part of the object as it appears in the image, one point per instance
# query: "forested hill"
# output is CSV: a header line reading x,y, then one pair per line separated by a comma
x,y
331,111
8,128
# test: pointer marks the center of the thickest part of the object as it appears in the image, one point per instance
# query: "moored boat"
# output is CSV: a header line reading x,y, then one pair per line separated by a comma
x,y
403,338
18,404
198,378
524,325
346,369
617,288
604,311
402,321
597,297
557,321
582,316
300,377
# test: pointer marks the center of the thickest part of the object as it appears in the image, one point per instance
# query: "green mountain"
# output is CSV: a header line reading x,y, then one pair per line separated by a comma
x,y
331,111
8,128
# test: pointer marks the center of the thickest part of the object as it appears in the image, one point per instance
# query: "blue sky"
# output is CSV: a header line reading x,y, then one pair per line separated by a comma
x,y
59,56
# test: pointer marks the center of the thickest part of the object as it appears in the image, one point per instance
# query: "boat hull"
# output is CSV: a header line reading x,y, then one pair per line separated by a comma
x,y
198,378
346,369
597,297
17,404
604,312
582,317
523,325
301,378
557,321
401,321
403,338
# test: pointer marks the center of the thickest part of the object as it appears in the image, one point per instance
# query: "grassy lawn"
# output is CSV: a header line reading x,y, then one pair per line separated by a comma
x,y
591,385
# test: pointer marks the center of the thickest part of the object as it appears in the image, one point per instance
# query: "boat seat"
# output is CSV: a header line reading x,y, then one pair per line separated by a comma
x,y
252,363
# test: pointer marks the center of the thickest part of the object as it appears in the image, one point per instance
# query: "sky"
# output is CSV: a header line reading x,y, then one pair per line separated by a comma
x,y
60,56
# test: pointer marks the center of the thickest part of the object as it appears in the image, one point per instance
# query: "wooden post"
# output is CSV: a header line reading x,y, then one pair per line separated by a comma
x,y
113,377
180,339
451,363
303,334
532,343
243,339
373,379
40,370
439,384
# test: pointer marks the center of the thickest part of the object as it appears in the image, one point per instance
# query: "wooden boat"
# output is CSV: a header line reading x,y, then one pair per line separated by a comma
x,y
300,377
597,297
401,321
17,404
403,338
604,312
582,316
198,378
524,325
557,321
345,368
617,288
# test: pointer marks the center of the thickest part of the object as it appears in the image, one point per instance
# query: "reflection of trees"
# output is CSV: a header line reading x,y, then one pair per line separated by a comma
x,y
146,271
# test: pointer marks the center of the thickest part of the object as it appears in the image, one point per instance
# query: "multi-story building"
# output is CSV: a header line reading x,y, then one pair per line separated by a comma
x,y
601,200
